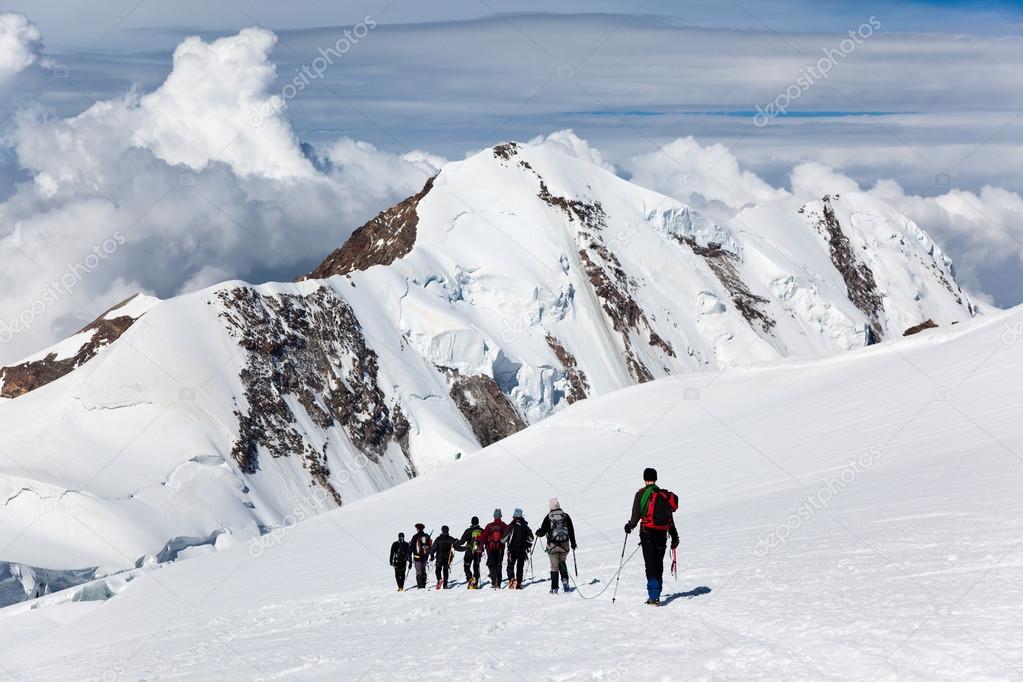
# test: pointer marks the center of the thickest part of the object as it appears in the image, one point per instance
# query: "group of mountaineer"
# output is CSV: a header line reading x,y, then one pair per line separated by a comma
x,y
509,545
497,539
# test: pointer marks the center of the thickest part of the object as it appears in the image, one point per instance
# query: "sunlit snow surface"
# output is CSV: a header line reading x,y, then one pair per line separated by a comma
x,y
911,567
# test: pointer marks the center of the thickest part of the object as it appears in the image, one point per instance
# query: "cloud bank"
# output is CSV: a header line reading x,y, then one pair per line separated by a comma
x,y
177,186
175,189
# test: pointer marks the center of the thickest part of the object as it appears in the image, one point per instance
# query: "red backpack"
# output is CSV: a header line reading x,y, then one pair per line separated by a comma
x,y
659,508
494,535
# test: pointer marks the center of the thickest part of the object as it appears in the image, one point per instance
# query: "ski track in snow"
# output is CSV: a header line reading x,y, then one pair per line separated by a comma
x,y
913,570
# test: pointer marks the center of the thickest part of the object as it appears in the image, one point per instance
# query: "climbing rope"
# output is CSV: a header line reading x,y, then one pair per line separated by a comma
x,y
575,585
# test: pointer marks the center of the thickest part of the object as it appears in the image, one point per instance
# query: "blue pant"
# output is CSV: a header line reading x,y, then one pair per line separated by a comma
x,y
654,543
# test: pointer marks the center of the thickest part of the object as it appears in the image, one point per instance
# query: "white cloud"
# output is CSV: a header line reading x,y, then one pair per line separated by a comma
x,y
567,142
216,105
171,191
20,44
696,174
813,180
365,169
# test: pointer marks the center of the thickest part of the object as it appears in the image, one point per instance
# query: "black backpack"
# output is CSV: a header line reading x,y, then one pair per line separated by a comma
x,y
559,526
519,539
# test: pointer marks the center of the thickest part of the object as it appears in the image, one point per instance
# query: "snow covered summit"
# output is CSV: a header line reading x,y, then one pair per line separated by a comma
x,y
518,281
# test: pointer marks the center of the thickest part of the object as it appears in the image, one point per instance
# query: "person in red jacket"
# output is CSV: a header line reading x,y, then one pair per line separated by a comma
x,y
492,536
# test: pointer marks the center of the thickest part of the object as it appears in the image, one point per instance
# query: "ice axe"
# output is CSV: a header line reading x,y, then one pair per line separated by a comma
x,y
575,564
674,563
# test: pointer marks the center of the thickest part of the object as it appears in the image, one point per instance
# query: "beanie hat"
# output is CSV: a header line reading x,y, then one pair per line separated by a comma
x,y
554,504
420,526
649,474
401,536
475,521
517,514
443,529
497,513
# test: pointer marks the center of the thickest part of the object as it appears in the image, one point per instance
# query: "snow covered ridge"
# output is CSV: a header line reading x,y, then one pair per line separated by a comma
x,y
64,357
517,282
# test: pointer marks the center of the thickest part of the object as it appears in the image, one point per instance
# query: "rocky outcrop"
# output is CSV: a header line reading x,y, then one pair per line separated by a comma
x,y
724,264
612,285
917,328
311,348
859,279
28,376
487,410
579,387
506,151
381,241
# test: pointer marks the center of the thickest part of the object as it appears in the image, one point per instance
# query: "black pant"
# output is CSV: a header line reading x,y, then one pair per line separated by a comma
x,y
443,571
399,575
563,570
494,566
655,543
516,564
472,567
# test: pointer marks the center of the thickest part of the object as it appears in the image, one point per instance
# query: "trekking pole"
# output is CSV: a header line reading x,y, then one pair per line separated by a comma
x,y
619,576
674,563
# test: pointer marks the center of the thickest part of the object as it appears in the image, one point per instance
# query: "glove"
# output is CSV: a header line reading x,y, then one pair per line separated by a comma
x,y
674,544
573,548
628,528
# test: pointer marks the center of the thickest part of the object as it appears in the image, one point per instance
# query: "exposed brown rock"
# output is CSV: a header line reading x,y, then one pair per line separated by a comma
x,y
610,282
489,412
506,151
381,241
917,328
724,265
299,346
579,386
859,278
590,214
28,376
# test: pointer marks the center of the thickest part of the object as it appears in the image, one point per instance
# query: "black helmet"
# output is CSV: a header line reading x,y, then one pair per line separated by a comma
x,y
475,521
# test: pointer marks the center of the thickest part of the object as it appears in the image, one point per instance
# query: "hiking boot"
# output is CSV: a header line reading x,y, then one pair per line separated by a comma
x,y
438,585
554,590
565,586
653,602
511,584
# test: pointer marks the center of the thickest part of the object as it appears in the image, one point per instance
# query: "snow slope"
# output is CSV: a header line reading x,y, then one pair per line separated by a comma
x,y
517,282
855,517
